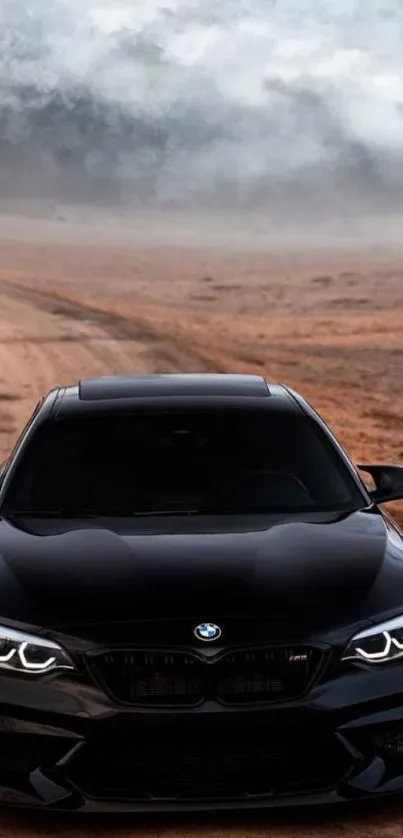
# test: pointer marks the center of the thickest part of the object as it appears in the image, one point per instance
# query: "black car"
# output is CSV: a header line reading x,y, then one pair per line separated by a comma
x,y
201,603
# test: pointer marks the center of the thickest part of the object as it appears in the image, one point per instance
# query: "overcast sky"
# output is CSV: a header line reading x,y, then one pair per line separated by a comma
x,y
255,88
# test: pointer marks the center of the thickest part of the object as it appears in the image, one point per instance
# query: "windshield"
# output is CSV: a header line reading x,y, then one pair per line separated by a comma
x,y
182,462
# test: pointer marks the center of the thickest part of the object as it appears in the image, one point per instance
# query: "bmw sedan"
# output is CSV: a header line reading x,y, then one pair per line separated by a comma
x,y
201,603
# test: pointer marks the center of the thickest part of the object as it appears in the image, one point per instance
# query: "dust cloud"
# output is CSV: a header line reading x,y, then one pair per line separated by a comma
x,y
288,110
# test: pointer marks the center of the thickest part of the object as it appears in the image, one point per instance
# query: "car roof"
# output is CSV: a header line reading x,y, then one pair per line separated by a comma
x,y
125,393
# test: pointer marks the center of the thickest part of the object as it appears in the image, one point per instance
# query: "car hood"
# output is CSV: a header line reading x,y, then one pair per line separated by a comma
x,y
314,571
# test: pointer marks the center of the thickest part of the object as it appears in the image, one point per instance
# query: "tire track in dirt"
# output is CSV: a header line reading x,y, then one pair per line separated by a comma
x,y
159,348
46,340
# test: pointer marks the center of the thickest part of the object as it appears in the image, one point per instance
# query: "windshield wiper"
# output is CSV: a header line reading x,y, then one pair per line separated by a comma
x,y
49,513
155,513
96,513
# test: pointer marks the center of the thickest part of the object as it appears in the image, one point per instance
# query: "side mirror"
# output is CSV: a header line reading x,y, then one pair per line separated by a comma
x,y
388,482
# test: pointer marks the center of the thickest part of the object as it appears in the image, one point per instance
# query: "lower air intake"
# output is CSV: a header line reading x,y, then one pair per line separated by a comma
x,y
215,767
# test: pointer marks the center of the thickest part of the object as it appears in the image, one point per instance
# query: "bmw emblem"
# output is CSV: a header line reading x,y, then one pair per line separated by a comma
x,y
207,631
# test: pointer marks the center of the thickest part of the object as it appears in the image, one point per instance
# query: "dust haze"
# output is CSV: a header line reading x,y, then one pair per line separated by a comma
x,y
258,107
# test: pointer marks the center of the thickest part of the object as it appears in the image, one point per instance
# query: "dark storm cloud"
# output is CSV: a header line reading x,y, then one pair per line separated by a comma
x,y
186,103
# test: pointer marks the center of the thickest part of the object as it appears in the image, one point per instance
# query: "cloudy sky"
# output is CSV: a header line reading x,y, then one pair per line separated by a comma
x,y
188,100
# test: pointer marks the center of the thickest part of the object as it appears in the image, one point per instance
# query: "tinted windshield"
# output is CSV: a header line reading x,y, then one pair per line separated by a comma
x,y
211,462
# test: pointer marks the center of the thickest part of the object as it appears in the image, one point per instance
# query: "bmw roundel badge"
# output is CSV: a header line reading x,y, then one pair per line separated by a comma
x,y
207,631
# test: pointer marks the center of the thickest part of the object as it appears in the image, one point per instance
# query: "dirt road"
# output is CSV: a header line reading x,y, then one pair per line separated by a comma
x,y
46,340
368,822
41,345
328,323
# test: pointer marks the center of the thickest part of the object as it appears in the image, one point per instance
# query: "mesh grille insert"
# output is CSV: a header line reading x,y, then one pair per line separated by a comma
x,y
183,679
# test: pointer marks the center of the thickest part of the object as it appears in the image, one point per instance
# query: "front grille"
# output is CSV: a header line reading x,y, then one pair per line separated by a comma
x,y
152,677
220,766
185,679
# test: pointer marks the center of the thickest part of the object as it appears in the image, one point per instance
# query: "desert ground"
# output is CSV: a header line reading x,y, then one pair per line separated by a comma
x,y
327,321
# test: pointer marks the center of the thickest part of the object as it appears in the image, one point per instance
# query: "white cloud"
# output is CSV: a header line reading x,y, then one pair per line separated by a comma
x,y
244,68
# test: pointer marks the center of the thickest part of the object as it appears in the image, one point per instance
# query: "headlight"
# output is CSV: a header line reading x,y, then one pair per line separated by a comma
x,y
21,652
380,644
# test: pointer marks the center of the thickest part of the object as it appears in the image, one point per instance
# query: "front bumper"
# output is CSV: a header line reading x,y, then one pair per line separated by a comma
x,y
64,744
